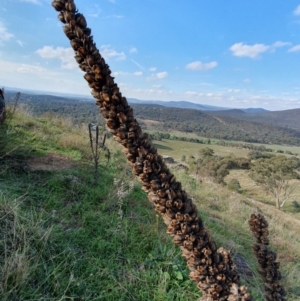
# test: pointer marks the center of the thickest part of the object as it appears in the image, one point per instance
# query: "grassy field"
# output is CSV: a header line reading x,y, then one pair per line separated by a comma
x,y
293,149
64,238
177,149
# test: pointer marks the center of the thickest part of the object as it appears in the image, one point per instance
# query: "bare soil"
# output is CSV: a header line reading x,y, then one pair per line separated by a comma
x,y
50,162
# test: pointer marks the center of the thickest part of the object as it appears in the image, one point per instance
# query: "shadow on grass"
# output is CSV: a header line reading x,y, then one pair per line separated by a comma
x,y
159,146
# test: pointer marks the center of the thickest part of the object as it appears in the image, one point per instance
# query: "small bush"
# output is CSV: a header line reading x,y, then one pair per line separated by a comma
x,y
234,185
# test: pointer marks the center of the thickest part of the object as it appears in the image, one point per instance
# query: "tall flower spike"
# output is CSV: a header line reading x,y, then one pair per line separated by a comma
x,y
268,267
211,269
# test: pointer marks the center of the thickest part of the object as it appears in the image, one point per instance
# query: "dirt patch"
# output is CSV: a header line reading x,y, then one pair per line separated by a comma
x,y
50,162
151,122
242,266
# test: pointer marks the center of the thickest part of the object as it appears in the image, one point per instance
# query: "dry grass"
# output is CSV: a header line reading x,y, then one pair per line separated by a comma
x,y
16,252
253,191
226,214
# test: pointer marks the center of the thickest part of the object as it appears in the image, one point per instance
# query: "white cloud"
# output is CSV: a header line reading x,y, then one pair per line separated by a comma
x,y
31,1
4,34
197,65
25,68
252,51
133,50
279,44
157,86
35,77
297,10
247,81
119,73
152,69
20,43
159,75
94,13
115,16
122,73
295,48
191,93
162,75
233,90
108,52
65,55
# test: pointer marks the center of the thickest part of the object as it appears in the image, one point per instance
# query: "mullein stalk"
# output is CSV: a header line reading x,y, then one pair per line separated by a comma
x,y
268,266
211,268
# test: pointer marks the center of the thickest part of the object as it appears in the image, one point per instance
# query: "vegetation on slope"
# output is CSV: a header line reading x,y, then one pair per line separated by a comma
x,y
66,239
287,118
63,238
206,124
223,127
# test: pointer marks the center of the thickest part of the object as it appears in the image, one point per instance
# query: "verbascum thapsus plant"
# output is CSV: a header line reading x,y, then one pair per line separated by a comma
x,y
268,267
211,268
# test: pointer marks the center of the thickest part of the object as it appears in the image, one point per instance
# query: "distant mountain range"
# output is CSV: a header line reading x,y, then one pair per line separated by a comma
x,y
250,125
174,104
190,105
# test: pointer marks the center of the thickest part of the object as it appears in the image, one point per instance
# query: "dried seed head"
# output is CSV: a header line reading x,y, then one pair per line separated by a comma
x,y
70,5
159,208
58,5
89,77
79,59
68,32
61,17
76,43
68,16
178,211
80,20
105,96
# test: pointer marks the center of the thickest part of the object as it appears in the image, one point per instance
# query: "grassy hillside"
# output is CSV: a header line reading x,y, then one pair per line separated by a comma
x,y
64,238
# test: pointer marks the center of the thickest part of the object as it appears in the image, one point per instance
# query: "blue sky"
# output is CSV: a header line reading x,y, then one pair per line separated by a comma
x,y
226,53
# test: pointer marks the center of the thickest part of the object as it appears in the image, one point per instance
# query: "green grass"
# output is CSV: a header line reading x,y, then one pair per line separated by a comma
x,y
179,147
63,238
176,149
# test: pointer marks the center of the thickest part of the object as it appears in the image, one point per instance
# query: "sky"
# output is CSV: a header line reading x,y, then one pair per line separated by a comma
x,y
229,53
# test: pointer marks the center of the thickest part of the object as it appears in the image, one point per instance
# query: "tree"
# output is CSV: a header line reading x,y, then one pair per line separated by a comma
x,y
275,175
205,152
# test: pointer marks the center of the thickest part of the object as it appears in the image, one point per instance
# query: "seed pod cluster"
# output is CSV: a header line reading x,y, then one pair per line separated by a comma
x,y
268,267
211,269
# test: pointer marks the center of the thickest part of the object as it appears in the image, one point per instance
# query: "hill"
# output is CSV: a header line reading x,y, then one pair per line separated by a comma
x,y
66,238
287,118
176,104
217,126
